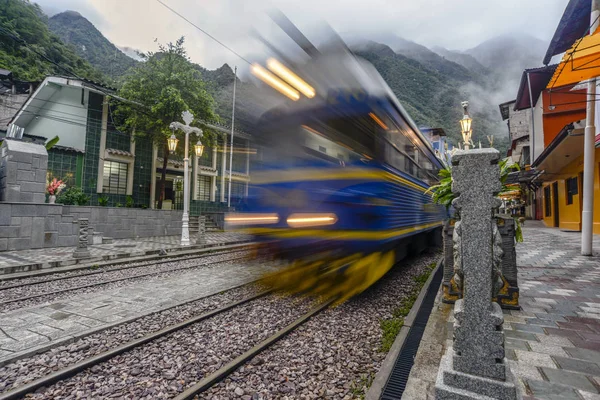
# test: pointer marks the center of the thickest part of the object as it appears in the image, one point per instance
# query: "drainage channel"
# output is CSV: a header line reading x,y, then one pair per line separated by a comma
x,y
396,383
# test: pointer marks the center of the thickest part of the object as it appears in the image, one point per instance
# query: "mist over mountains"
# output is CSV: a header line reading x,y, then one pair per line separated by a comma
x,y
429,82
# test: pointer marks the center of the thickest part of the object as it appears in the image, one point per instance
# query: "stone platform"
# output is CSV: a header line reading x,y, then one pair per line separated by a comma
x,y
553,343
36,259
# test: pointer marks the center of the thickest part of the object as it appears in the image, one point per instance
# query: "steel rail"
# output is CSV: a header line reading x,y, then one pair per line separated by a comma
x,y
209,251
35,296
72,370
107,268
231,366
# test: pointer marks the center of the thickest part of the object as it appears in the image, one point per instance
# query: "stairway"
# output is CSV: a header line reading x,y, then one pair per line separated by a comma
x,y
211,226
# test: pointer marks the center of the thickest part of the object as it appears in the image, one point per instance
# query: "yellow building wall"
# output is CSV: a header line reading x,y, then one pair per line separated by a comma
x,y
569,215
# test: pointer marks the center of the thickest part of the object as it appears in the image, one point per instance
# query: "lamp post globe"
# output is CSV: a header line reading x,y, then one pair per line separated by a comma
x,y
199,149
172,143
465,125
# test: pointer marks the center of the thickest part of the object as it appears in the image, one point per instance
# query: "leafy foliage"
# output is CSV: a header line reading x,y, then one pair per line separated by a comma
x,y
442,192
52,142
90,44
73,196
25,37
159,90
103,201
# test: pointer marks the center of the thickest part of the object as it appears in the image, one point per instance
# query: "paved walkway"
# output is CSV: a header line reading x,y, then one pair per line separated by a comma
x,y
26,330
15,261
553,343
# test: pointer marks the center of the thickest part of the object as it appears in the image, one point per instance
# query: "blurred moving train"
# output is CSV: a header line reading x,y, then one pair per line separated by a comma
x,y
340,176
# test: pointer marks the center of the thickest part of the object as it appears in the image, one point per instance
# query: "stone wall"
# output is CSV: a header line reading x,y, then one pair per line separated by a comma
x,y
22,171
34,226
519,123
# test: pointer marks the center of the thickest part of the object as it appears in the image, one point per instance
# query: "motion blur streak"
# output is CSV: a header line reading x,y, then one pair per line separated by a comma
x,y
301,220
248,219
342,278
290,78
274,82
379,121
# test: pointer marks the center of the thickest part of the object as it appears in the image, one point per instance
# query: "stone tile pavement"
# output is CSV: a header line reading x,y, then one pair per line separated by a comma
x,y
26,330
553,343
13,261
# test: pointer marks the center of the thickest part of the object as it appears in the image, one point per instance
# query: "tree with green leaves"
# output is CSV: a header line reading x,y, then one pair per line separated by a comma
x,y
158,90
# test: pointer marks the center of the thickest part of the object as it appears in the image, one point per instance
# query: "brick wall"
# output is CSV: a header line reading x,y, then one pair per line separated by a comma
x,y
34,226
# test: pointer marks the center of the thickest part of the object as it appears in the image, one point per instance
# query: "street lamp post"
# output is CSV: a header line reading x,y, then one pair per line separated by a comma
x,y
465,125
199,149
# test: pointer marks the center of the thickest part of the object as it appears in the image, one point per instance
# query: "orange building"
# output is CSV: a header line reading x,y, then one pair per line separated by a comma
x,y
556,130
558,149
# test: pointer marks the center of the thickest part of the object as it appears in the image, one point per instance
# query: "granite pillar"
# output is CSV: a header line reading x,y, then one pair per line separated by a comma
x,y
82,251
201,238
475,365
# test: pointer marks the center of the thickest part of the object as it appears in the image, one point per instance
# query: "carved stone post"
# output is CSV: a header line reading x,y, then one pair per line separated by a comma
x,y
451,292
201,238
475,366
508,296
82,250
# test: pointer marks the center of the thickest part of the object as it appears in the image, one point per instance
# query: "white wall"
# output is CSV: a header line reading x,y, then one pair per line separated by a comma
x,y
538,121
62,115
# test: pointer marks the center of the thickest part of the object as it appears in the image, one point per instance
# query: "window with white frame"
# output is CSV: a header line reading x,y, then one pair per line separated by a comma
x,y
204,183
115,177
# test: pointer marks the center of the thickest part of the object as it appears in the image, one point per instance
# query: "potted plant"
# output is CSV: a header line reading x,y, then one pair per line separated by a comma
x,y
54,187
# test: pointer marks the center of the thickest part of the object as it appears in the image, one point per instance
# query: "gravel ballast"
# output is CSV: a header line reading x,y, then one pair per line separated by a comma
x,y
335,355
163,368
28,369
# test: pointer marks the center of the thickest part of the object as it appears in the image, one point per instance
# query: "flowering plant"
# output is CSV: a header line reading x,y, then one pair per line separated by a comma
x,y
55,186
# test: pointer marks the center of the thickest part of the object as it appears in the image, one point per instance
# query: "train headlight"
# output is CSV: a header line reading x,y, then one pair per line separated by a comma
x,y
301,220
251,219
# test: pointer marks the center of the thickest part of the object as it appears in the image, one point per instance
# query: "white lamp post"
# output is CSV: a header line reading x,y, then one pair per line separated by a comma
x,y
199,149
465,125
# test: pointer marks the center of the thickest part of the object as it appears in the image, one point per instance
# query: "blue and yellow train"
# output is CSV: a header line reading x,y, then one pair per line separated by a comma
x,y
341,178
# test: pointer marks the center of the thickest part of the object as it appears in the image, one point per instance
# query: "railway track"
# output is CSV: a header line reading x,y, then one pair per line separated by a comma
x,y
175,329
120,265
21,292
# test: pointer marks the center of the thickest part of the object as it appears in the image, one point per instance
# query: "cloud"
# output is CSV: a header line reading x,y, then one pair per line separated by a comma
x,y
457,24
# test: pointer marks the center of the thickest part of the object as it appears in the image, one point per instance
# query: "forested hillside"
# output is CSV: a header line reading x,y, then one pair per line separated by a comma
x,y
30,50
431,85
90,44
433,98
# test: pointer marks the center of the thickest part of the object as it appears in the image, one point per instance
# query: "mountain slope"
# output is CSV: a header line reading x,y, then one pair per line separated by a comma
x,y
90,44
432,98
510,53
23,20
466,60
423,55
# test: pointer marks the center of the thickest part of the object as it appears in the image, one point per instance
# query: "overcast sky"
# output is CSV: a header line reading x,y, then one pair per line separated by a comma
x,y
454,24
